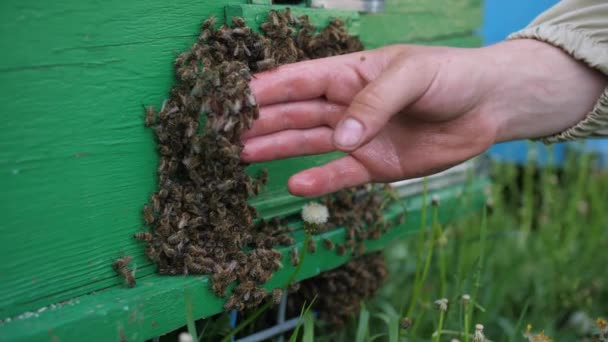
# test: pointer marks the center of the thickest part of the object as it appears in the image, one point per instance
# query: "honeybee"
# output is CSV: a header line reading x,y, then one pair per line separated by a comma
x,y
312,246
168,250
295,258
340,249
328,244
148,214
262,65
121,262
150,116
183,221
143,236
120,267
277,294
360,249
128,276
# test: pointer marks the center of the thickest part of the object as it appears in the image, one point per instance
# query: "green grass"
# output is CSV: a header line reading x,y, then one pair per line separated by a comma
x,y
536,256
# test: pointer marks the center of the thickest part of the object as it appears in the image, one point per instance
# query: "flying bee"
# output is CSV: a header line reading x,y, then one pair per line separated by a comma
x,y
143,236
150,116
312,246
328,244
148,214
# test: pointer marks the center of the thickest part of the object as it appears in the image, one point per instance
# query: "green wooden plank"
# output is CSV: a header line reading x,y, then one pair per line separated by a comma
x,y
76,165
158,303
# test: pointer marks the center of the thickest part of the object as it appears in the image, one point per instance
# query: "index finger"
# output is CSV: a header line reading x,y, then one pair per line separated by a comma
x,y
338,78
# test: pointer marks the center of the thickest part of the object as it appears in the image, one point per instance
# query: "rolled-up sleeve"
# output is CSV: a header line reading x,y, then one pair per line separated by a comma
x,y
580,28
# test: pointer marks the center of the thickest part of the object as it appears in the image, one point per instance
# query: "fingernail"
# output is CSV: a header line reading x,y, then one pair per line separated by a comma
x,y
348,133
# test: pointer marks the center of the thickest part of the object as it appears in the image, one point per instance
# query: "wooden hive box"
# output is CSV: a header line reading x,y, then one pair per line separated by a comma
x,y
77,164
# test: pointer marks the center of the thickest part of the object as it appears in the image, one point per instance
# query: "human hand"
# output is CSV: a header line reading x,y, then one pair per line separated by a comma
x,y
409,111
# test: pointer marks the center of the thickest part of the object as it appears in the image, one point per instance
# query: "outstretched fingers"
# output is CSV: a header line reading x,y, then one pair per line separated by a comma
x,y
337,78
289,143
335,175
295,115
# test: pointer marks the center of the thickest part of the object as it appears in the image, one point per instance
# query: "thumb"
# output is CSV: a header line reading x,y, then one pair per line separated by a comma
x,y
401,84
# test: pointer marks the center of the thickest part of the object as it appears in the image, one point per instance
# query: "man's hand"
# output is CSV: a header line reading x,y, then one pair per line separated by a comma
x,y
409,111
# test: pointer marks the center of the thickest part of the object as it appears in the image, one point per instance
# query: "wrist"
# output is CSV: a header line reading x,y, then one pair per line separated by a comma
x,y
538,89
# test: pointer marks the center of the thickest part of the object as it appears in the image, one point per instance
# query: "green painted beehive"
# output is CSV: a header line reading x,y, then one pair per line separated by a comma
x,y
77,164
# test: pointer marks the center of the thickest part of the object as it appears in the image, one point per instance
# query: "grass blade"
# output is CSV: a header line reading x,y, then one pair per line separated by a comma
x,y
309,327
363,325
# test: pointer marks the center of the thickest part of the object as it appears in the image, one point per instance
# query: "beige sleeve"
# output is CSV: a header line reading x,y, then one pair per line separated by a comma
x,y
579,27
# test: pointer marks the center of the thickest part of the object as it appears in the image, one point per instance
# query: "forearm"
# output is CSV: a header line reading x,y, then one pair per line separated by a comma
x,y
539,90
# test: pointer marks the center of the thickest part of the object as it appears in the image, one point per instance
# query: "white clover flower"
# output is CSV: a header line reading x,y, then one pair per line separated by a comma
x,y
185,337
315,213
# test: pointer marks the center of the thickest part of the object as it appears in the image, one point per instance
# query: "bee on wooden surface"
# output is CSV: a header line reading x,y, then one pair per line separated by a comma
x,y
312,246
360,249
150,118
148,214
120,267
143,236
295,258
328,243
340,249
121,262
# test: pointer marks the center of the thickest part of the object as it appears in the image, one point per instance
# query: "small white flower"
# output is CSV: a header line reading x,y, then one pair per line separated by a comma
x,y
478,336
185,337
466,298
435,200
315,213
442,304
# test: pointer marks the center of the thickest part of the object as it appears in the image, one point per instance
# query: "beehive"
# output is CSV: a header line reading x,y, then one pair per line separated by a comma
x,y
77,163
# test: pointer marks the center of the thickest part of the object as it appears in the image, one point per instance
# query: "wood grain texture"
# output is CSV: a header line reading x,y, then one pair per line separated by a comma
x,y
158,303
76,163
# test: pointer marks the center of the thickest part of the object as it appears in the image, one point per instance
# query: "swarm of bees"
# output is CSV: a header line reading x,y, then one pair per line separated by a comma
x,y
360,211
339,292
199,218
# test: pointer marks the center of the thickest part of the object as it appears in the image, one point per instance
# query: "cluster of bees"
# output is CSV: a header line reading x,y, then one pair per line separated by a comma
x,y
339,292
199,218
360,211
